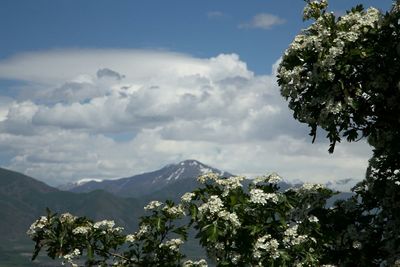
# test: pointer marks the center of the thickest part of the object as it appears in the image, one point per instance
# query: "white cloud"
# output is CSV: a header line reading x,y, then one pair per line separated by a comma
x,y
215,15
262,21
67,122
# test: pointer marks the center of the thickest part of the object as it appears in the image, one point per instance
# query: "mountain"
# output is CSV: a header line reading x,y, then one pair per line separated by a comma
x,y
172,180
343,185
23,199
70,186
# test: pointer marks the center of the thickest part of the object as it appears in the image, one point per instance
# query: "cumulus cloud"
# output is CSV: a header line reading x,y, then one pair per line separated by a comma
x,y
262,21
172,106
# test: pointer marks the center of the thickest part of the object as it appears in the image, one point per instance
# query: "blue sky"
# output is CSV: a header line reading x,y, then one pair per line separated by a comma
x,y
199,28
104,89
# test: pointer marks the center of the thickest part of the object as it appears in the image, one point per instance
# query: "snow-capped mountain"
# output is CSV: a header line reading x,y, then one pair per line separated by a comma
x,y
70,186
343,185
173,176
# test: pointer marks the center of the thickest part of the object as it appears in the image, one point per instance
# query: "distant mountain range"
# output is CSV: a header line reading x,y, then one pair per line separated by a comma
x,y
173,178
23,199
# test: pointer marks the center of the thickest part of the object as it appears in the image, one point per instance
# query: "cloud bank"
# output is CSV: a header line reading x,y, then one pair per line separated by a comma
x,y
114,113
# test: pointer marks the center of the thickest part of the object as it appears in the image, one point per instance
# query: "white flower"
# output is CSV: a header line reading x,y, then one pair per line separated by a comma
x,y
213,206
72,255
230,183
313,219
273,178
357,244
231,217
172,244
187,197
143,229
153,205
69,257
130,238
175,210
208,176
67,218
38,224
292,238
81,230
260,197
104,224
311,187
268,244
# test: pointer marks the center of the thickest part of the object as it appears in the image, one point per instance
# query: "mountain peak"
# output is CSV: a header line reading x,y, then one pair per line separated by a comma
x,y
146,183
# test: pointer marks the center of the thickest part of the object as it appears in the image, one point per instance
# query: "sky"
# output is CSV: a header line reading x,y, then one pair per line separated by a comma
x,y
107,89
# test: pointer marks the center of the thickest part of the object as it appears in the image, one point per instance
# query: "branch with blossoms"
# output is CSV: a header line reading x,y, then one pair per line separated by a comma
x,y
258,225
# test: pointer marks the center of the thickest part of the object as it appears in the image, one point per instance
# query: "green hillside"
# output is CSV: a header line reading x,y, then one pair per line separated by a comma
x,y
23,199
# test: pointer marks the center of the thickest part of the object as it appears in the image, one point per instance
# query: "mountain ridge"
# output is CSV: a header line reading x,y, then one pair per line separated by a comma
x,y
149,182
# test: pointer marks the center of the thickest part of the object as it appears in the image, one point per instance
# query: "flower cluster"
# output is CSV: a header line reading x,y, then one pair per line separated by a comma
x,y
310,187
187,197
260,197
292,238
71,256
208,177
81,230
175,211
153,205
230,183
231,217
273,178
104,224
37,225
266,245
212,206
67,218
172,244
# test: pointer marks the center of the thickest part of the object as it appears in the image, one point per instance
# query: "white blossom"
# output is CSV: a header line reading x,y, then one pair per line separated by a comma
x,y
172,244
208,176
153,205
130,238
177,210
67,218
260,197
187,197
273,178
143,229
357,245
104,224
212,206
230,183
231,217
313,219
71,256
311,187
38,224
81,230
266,244
292,238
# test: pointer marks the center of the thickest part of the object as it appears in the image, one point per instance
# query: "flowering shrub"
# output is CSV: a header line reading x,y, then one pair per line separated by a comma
x,y
342,74
156,243
254,226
